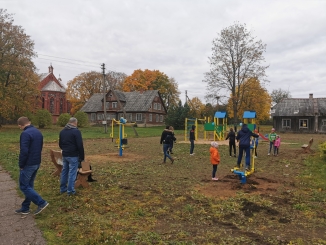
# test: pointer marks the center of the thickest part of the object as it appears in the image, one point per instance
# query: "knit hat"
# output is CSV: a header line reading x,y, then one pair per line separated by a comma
x,y
214,144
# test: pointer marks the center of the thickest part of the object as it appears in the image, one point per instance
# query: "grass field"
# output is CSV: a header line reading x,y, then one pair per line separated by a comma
x,y
139,200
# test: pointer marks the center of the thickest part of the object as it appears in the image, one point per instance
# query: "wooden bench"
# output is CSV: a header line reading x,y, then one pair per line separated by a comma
x,y
83,174
56,157
307,147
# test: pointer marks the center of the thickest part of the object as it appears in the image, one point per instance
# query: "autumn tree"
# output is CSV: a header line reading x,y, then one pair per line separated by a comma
x,y
83,86
197,108
253,97
18,78
236,57
279,94
153,80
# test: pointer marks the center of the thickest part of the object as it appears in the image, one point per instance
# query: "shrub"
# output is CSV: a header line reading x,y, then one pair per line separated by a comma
x,y
63,119
82,119
43,118
322,149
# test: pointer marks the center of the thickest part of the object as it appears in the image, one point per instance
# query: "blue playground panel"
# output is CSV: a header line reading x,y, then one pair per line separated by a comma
x,y
249,114
220,114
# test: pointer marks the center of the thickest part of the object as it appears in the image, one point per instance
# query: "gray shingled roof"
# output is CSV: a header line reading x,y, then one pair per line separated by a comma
x,y
94,103
300,107
135,101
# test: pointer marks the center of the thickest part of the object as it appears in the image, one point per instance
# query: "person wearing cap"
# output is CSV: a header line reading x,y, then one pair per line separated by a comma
x,y
243,137
272,138
215,158
192,139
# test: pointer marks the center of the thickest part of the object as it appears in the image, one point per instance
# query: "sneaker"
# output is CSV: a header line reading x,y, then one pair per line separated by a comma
x,y
215,179
192,154
21,211
230,156
255,156
41,208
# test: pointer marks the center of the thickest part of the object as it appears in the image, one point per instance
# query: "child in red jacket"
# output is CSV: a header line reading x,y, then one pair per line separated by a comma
x,y
215,158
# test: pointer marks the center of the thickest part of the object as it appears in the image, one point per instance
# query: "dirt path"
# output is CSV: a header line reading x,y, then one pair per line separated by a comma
x,y
15,229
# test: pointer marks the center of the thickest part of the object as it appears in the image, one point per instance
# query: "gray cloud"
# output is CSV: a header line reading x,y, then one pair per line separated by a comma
x,y
175,37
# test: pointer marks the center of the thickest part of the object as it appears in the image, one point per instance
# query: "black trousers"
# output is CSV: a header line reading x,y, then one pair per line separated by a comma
x,y
232,144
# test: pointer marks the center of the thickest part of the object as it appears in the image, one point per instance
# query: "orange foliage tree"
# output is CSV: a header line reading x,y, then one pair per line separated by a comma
x,y
153,80
251,97
197,108
18,78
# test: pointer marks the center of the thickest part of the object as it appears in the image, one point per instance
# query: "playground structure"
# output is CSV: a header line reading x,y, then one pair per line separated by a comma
x,y
249,118
122,140
218,126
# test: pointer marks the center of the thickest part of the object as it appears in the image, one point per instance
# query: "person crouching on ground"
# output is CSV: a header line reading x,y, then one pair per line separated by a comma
x,y
244,136
215,158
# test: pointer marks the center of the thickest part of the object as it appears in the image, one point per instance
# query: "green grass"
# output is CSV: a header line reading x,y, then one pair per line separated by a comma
x,y
143,202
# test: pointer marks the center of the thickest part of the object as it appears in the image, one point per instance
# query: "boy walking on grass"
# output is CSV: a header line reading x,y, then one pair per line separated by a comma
x,y
215,158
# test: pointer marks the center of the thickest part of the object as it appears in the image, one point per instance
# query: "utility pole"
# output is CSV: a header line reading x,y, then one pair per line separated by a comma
x,y
186,96
104,100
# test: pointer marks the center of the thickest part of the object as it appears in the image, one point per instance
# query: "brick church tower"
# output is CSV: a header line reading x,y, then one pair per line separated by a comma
x,y
53,95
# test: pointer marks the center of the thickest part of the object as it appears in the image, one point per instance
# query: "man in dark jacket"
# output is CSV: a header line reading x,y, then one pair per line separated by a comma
x,y
167,138
231,138
71,144
31,144
244,136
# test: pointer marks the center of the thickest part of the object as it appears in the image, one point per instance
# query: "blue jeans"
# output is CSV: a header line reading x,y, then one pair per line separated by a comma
x,y
192,146
271,145
165,150
241,150
214,170
68,175
26,184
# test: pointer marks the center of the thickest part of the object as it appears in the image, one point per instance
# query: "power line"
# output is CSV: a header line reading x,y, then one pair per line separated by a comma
x,y
60,61
93,63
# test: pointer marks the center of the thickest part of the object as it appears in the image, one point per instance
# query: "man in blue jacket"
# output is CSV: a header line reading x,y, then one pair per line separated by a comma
x,y
71,144
31,144
244,136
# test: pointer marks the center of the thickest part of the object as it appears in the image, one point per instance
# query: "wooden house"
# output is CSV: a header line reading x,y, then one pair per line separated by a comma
x,y
142,107
53,95
300,115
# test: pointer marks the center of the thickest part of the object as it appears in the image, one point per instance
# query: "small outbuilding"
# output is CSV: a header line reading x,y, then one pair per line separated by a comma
x,y
300,115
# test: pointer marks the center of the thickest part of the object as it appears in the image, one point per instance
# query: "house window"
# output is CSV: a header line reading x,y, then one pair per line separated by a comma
x,y
114,104
161,118
61,106
100,116
303,123
139,117
159,107
107,105
323,122
93,116
286,123
130,117
157,118
150,117
155,106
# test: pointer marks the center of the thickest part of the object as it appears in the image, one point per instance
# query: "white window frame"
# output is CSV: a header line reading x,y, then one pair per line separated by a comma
x,y
93,117
158,106
161,118
150,118
139,117
323,122
114,104
301,122
286,123
155,106
100,116
157,118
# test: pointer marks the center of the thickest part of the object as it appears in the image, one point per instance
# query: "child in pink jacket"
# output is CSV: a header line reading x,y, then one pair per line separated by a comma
x,y
277,144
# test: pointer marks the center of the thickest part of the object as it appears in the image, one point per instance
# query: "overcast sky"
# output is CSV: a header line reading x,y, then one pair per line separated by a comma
x,y
175,37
